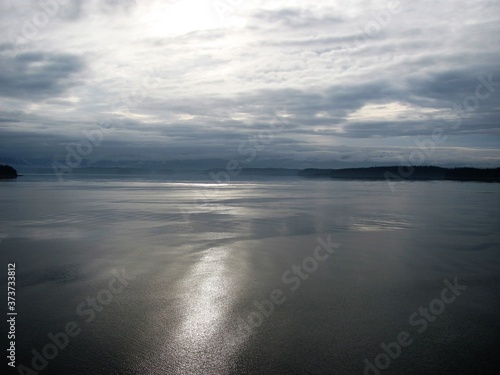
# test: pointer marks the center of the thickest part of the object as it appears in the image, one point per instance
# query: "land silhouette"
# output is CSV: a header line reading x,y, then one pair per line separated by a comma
x,y
390,173
6,171
421,173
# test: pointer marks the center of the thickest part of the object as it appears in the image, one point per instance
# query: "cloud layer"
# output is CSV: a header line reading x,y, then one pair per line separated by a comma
x,y
360,83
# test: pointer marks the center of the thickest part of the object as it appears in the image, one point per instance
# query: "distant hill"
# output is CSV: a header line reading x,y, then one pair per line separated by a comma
x,y
6,171
407,173
270,171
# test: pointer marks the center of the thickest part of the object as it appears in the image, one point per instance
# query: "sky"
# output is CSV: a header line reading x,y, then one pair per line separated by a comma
x,y
207,83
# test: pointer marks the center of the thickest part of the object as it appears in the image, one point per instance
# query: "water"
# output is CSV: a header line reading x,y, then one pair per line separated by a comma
x,y
197,258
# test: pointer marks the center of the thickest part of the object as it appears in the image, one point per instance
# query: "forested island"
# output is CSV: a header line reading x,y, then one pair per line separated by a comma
x,y
6,171
407,173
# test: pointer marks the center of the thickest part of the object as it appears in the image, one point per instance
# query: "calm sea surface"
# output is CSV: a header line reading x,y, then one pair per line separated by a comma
x,y
263,276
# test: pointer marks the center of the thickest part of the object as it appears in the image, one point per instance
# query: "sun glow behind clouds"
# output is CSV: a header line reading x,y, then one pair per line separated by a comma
x,y
220,70
178,18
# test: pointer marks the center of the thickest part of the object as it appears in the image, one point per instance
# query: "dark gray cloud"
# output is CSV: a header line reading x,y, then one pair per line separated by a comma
x,y
38,75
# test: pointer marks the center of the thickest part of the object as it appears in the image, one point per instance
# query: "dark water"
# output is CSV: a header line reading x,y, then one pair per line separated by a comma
x,y
196,259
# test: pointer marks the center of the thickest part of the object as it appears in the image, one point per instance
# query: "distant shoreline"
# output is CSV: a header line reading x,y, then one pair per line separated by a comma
x,y
389,173
406,173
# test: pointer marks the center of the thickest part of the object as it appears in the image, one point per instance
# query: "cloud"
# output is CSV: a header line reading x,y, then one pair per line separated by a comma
x,y
37,75
360,84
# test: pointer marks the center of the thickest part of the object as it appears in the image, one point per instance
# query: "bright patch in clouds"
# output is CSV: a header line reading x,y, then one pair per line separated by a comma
x,y
393,111
163,19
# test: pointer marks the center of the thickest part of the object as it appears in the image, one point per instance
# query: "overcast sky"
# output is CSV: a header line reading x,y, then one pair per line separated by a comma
x,y
265,83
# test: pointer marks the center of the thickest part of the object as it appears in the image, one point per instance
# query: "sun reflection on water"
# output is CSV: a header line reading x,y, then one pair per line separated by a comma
x,y
212,290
